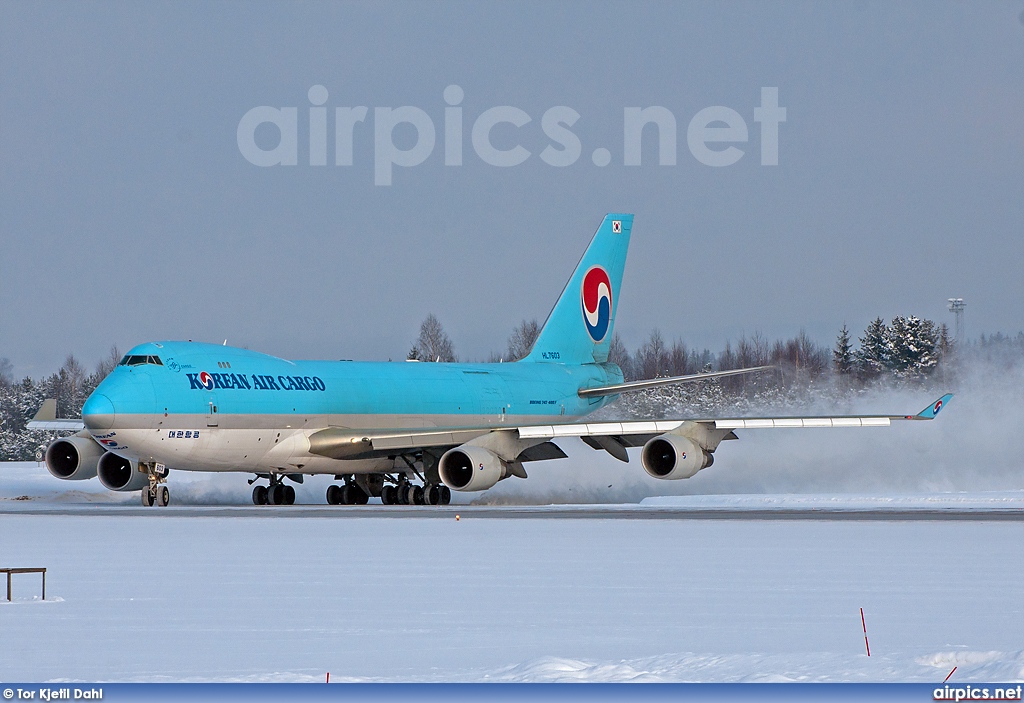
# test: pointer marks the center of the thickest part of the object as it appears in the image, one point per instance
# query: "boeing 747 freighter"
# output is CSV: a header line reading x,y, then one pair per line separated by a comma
x,y
406,432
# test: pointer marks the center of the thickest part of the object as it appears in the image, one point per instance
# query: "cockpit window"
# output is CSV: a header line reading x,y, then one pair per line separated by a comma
x,y
140,360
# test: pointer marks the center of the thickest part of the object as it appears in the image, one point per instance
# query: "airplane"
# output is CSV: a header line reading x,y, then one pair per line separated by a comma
x,y
408,433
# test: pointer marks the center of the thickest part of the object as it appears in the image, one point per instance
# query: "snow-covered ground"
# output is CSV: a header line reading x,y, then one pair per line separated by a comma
x,y
283,599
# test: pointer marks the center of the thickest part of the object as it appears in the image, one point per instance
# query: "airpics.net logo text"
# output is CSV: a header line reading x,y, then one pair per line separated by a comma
x,y
712,134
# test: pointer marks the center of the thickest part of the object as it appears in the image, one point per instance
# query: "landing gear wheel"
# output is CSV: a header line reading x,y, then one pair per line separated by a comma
x,y
346,495
148,498
388,495
289,495
432,495
359,496
402,494
259,495
163,496
275,494
334,495
416,495
446,494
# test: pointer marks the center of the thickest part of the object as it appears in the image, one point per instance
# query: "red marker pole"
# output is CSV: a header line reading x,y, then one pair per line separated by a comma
x,y
328,677
865,628
950,674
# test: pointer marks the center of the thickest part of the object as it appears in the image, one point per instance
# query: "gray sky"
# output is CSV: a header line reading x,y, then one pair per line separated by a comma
x,y
128,212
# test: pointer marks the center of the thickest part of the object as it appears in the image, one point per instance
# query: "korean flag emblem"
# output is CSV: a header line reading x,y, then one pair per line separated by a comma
x,y
617,226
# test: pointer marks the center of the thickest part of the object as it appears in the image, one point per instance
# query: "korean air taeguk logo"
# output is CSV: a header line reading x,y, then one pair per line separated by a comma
x,y
206,380
596,296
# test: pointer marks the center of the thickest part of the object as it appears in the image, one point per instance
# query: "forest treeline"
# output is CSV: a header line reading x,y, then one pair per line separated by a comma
x,y
907,351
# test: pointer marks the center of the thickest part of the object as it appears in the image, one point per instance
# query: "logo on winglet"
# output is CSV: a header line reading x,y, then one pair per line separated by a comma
x,y
596,297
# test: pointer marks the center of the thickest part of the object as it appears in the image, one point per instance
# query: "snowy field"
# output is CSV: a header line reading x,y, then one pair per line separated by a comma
x,y
135,598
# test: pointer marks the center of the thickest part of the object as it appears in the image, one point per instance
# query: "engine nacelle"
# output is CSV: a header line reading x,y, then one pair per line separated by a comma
x,y
470,468
119,474
73,458
671,457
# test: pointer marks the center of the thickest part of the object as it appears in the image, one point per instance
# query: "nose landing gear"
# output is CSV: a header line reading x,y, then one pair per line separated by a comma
x,y
157,493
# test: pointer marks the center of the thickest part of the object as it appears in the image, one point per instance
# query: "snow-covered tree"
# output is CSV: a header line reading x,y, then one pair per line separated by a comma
x,y
871,358
911,347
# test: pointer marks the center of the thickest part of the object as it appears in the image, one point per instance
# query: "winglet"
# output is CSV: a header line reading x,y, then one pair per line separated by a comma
x,y
47,411
932,410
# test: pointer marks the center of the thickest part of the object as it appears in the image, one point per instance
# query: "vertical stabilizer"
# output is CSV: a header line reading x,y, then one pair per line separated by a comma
x,y
579,328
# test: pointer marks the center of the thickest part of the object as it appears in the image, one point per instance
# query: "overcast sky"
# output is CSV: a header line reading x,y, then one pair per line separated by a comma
x,y
128,211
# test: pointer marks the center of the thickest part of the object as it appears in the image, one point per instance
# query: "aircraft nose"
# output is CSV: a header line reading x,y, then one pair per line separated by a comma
x,y
98,412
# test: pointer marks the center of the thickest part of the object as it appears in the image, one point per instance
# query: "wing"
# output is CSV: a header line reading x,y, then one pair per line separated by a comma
x,y
533,442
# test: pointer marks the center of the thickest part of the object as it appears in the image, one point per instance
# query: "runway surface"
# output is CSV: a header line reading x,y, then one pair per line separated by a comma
x,y
505,512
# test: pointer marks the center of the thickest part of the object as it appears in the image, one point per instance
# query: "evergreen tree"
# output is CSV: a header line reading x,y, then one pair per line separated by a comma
x,y
871,358
842,355
945,344
911,347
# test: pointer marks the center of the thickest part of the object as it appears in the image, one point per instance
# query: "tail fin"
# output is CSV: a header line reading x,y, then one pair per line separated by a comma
x,y
579,328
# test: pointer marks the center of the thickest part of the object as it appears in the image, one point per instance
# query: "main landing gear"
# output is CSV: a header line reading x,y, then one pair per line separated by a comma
x,y
349,494
404,492
277,493
393,490
157,492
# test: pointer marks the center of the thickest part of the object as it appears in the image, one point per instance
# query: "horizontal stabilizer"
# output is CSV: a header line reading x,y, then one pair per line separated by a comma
x,y
46,419
60,425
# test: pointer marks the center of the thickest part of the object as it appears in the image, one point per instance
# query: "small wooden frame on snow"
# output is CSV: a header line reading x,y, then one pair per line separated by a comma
x,y
11,572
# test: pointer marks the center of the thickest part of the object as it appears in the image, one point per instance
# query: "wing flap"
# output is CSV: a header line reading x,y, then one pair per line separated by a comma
x,y
756,423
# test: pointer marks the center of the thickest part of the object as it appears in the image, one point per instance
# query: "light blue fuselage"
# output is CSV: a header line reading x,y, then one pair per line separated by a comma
x,y
237,403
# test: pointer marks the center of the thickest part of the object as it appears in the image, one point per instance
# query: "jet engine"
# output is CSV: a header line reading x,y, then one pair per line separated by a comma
x,y
119,474
670,456
470,468
73,458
